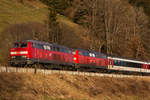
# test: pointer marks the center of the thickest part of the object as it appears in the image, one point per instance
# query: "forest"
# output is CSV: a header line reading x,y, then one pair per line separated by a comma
x,y
113,27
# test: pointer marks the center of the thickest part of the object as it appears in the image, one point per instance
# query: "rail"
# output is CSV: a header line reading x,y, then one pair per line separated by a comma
x,y
47,72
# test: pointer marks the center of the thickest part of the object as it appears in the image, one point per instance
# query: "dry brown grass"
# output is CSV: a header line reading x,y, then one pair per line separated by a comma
x,y
14,86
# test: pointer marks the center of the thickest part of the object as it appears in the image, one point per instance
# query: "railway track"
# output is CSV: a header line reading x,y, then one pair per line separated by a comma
x,y
48,72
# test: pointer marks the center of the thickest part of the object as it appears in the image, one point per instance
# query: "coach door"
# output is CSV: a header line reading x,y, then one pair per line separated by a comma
x,y
110,63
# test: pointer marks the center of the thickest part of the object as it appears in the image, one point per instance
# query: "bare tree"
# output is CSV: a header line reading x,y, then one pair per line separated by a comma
x,y
112,23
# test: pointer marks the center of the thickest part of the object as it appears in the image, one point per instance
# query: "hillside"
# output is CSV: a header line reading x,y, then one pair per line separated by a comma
x,y
82,23
13,12
16,86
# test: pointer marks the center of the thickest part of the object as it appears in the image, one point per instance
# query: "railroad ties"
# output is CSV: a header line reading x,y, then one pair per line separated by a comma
x,y
47,72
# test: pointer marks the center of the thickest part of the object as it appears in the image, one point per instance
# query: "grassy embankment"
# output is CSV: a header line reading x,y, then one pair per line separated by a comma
x,y
14,86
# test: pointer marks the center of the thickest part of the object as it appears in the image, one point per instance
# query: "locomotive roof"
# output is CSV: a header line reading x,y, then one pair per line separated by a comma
x,y
95,52
43,42
81,49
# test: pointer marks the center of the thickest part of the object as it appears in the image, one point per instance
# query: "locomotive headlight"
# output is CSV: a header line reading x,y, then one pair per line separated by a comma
x,y
13,57
12,53
23,52
24,56
75,58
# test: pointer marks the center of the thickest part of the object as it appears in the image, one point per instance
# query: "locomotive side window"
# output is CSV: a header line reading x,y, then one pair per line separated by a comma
x,y
85,53
62,49
102,56
16,45
80,53
23,45
91,54
40,46
46,47
65,50
56,48
36,45
70,51
32,45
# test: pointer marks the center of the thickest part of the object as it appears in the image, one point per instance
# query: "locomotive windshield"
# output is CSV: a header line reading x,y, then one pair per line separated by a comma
x,y
21,45
16,45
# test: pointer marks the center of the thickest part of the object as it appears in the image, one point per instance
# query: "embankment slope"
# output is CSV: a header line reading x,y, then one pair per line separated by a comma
x,y
18,86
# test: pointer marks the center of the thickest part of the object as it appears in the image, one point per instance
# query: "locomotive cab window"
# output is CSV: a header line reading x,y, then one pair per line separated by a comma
x,y
24,45
16,45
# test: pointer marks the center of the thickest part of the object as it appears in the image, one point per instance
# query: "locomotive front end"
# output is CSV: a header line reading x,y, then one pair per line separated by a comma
x,y
20,53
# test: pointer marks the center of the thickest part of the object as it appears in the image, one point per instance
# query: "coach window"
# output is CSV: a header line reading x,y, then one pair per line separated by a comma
x,y
139,65
123,63
115,62
23,45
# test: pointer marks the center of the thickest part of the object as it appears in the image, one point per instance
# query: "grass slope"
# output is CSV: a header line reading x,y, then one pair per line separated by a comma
x,y
12,12
16,86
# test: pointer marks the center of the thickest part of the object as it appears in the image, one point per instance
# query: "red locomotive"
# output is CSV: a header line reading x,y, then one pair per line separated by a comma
x,y
31,52
90,59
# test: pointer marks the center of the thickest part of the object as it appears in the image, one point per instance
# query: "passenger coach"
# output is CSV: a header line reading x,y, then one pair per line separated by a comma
x,y
122,64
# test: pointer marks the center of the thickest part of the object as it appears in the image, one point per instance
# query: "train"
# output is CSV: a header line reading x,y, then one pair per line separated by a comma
x,y
32,52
